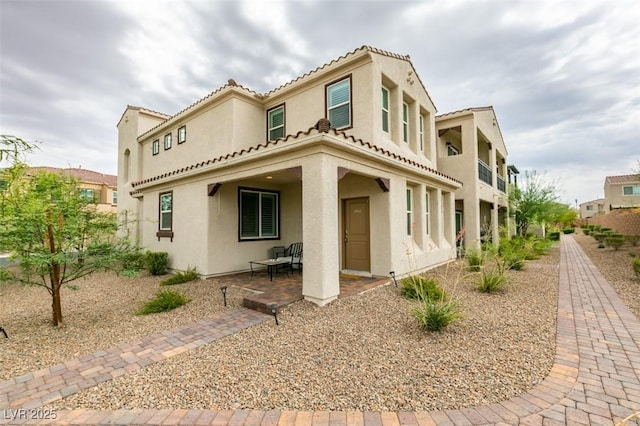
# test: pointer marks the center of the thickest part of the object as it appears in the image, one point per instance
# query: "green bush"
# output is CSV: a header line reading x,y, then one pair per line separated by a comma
x,y
513,252
599,236
568,230
434,315
636,266
632,239
601,245
134,261
553,235
614,241
491,280
181,277
586,231
417,286
164,301
475,260
157,262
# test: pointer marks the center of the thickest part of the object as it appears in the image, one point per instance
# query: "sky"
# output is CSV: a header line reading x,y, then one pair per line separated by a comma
x,y
563,76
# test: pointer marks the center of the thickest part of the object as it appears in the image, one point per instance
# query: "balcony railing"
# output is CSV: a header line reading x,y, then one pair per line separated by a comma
x,y
484,173
502,186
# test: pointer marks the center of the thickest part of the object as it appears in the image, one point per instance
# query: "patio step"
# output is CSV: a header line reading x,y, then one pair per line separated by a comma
x,y
262,302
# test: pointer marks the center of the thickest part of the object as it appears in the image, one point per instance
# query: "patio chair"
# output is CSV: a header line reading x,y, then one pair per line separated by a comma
x,y
294,254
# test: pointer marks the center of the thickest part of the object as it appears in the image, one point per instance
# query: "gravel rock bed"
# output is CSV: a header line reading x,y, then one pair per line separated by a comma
x,y
364,352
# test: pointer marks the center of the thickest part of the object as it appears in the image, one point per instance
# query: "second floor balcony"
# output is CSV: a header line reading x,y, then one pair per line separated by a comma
x,y
484,173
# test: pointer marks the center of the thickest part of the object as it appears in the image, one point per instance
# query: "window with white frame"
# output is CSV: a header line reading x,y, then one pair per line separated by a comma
x,y
339,103
631,190
405,122
166,211
275,123
155,147
167,141
385,109
182,134
88,194
114,197
426,210
259,214
409,210
421,131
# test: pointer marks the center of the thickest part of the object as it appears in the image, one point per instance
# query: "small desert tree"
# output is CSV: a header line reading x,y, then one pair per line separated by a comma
x,y
533,202
54,233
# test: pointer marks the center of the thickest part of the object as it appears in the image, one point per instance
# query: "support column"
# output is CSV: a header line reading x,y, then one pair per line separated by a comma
x,y
320,233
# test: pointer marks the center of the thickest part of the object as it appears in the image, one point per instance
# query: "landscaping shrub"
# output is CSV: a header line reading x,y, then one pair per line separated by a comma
x,y
133,261
491,279
586,231
599,236
568,230
420,286
513,253
632,239
601,245
553,235
636,265
475,260
434,315
614,241
164,301
157,262
181,277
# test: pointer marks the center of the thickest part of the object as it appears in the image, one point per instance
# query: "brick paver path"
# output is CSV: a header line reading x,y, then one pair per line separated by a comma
x,y
595,378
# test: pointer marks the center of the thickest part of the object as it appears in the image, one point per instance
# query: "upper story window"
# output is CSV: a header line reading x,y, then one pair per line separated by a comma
x,y
167,141
259,214
631,190
421,131
155,147
339,103
409,210
405,122
114,197
182,134
452,150
385,109
88,194
275,123
589,208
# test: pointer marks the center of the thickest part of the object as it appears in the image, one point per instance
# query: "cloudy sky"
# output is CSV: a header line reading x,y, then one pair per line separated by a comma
x,y
563,76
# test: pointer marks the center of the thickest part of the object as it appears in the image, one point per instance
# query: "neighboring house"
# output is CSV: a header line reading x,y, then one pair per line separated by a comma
x,y
344,158
102,188
621,192
592,208
470,148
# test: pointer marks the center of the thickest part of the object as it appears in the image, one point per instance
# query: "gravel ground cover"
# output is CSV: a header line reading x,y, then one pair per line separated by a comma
x,y
359,353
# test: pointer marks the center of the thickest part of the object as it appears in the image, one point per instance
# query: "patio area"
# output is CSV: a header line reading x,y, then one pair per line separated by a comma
x,y
286,289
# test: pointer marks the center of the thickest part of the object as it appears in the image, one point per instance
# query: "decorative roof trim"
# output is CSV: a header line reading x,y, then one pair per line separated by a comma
x,y
261,146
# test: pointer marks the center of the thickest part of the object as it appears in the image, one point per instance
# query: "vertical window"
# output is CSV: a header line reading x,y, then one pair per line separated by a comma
x,y
167,141
385,109
275,123
114,197
166,211
182,134
405,122
421,130
339,103
426,209
409,210
259,214
155,147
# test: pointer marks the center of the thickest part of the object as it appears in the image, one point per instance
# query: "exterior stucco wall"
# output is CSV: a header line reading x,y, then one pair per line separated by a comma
x,y
614,196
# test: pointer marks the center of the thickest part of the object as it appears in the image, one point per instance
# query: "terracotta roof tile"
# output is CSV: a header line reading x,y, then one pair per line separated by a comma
x,y
83,175
623,179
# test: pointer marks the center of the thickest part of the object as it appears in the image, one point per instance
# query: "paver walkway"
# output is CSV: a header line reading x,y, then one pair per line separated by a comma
x,y
595,378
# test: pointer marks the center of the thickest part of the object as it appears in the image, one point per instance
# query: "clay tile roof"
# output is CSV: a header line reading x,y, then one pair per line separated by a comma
x,y
83,175
623,179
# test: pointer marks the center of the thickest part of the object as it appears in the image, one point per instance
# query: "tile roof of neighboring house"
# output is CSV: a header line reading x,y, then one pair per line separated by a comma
x,y
347,137
623,179
232,83
460,111
598,201
83,175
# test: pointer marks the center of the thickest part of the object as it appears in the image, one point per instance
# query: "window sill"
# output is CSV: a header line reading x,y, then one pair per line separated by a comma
x,y
164,234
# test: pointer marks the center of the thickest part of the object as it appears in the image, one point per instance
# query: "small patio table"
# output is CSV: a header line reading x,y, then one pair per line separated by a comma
x,y
271,264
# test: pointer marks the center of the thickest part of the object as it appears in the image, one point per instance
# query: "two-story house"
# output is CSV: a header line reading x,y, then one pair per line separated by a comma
x,y
470,148
344,159
592,208
621,192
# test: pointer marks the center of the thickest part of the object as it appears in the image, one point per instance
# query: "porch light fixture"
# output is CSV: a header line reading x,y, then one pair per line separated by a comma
x,y
223,289
393,275
274,311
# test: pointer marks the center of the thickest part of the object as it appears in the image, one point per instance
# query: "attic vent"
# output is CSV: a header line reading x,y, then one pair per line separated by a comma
x,y
323,125
232,82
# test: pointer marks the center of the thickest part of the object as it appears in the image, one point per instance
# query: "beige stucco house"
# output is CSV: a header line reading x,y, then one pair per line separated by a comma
x,y
344,158
592,208
100,187
471,149
621,192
